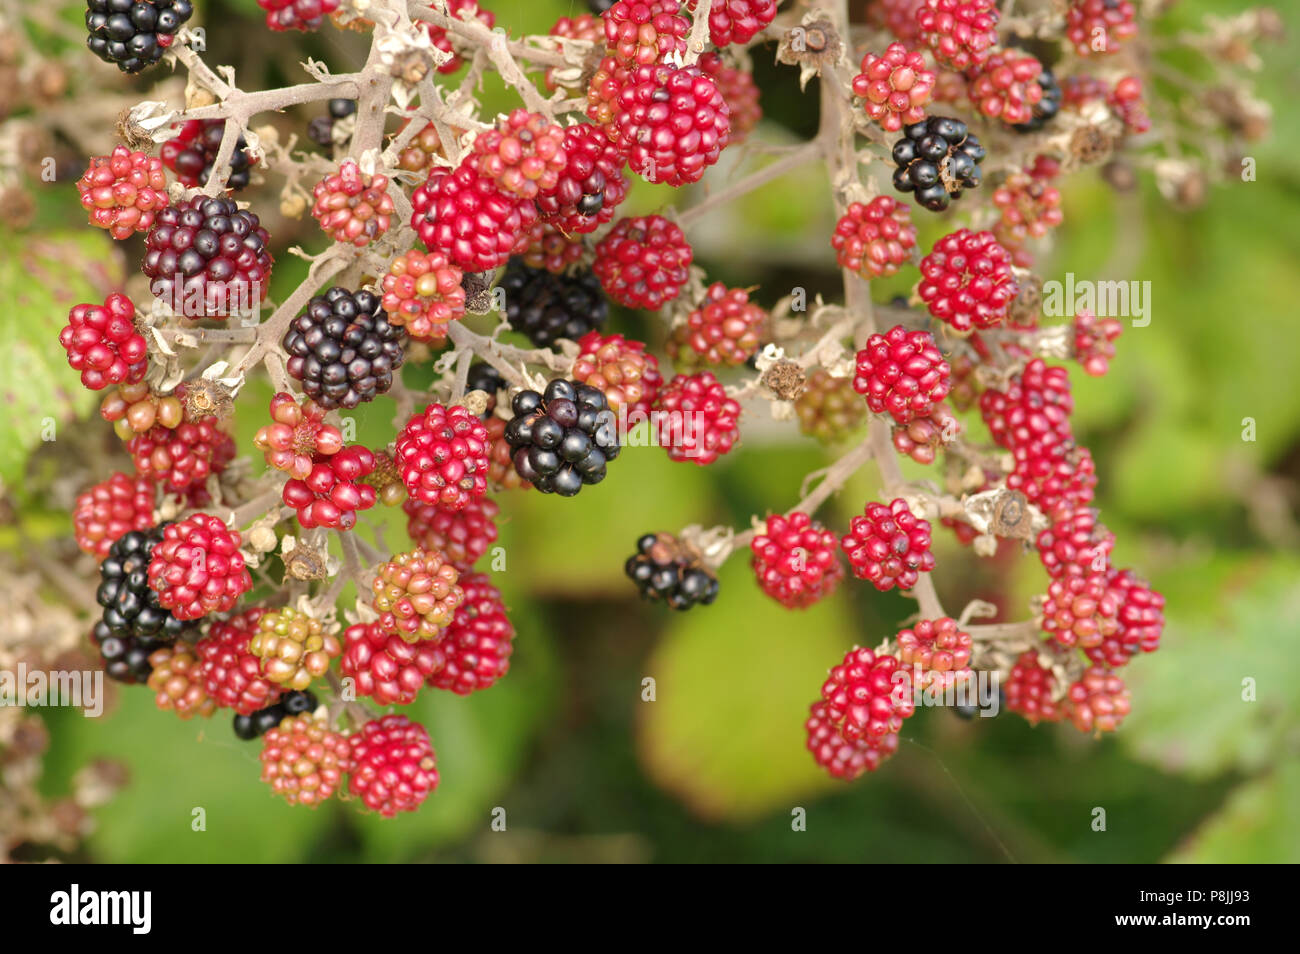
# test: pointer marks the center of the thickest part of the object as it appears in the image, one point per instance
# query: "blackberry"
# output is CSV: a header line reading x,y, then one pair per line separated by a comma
x,y
191,152
484,377
133,624
936,159
599,6
264,720
343,348
217,251
563,438
545,306
1045,109
321,129
665,568
134,34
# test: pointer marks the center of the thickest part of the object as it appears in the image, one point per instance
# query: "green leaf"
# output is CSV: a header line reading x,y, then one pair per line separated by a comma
x,y
1259,824
41,278
733,685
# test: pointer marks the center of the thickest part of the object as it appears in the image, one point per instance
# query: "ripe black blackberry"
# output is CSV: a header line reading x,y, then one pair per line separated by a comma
x,y
216,251
133,625
936,159
1045,109
484,377
192,153
665,568
600,6
321,129
264,720
563,438
343,348
545,306
134,34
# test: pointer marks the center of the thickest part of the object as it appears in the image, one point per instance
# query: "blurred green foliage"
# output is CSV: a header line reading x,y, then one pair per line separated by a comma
x,y
713,767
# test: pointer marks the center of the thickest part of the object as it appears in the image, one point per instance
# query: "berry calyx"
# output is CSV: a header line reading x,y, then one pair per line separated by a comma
x,y
351,207
698,422
889,546
197,569
903,373
795,560
103,344
442,456
393,767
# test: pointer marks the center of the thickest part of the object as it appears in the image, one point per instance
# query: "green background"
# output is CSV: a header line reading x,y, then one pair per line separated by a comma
x,y
713,769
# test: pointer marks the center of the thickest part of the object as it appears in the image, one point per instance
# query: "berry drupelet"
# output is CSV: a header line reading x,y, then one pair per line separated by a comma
x,y
937,159
563,438
134,34
343,348
546,307
666,568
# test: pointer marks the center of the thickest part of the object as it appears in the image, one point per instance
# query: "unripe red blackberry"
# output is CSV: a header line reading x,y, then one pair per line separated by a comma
x,y
208,258
123,191
897,16
621,368
795,560
889,546
134,34
103,344
386,667
479,641
294,648
562,438
1140,617
960,33
1100,26
334,489
828,408
1029,689
393,765
182,458
843,759
462,536
921,438
553,250
304,761
1080,610
1048,105
1126,101
442,454
1098,701
197,569
1057,480
674,123
177,683
466,215
1075,542
894,86
903,373
351,207
192,151
724,330
666,568
1092,341
737,21
738,90
109,509
461,10
547,307
416,594
1029,207
589,187
868,696
523,154
343,348
1031,418
602,96
644,32
966,280
423,294
231,674
1005,86
876,238
136,409
304,15
697,421
298,433
937,159
939,649
643,262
